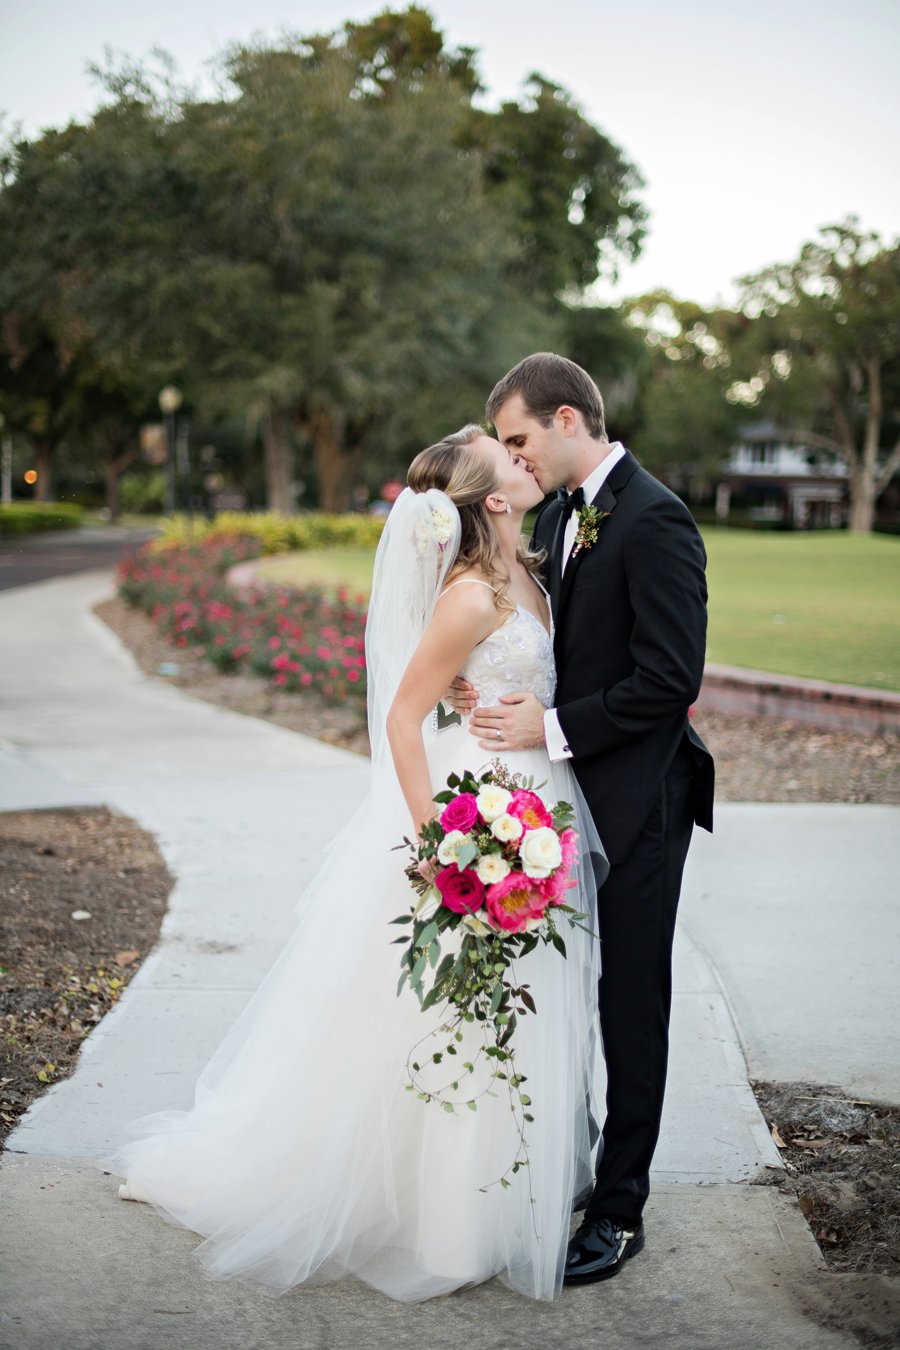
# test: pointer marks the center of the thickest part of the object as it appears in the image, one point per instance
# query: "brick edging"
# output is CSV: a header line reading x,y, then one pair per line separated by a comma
x,y
835,707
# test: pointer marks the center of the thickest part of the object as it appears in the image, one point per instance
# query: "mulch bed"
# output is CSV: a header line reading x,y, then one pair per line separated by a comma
x,y
842,1161
60,973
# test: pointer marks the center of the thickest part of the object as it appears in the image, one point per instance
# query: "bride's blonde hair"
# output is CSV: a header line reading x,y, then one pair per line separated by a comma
x,y
452,466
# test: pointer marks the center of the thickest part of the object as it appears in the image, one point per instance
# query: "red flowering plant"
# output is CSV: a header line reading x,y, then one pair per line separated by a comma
x,y
490,873
297,639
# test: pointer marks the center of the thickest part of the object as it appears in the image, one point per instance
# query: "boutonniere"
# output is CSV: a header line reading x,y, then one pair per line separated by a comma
x,y
589,522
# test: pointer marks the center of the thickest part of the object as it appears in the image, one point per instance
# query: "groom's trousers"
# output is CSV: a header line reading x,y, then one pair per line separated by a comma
x,y
637,905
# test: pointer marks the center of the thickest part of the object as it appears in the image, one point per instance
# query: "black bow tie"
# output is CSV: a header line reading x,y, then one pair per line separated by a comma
x,y
573,502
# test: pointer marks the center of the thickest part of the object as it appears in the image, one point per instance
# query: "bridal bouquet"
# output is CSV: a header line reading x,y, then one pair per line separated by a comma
x,y
491,873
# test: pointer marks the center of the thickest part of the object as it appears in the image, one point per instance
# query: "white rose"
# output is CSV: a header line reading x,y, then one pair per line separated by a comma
x,y
475,925
506,828
492,867
448,849
540,852
492,802
532,924
444,525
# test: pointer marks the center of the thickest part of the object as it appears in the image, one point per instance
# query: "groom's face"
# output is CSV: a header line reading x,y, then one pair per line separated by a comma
x,y
546,451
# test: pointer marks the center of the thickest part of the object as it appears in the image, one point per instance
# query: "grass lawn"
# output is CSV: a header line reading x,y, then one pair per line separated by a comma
x,y
826,605
323,566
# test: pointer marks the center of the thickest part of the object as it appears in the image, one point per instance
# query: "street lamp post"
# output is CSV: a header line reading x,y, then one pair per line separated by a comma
x,y
169,403
5,463
183,458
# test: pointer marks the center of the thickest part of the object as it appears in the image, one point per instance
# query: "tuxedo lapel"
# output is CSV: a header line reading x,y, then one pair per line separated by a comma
x,y
605,500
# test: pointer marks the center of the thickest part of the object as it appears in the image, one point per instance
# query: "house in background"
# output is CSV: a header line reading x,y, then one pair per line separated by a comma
x,y
772,479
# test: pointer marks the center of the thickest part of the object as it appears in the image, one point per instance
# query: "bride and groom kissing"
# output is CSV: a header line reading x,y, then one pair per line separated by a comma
x,y
576,660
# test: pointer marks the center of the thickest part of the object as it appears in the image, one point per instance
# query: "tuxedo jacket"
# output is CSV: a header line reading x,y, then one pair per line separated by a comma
x,y
630,641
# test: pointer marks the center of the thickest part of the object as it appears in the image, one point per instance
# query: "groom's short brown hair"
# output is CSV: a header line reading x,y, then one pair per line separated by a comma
x,y
547,381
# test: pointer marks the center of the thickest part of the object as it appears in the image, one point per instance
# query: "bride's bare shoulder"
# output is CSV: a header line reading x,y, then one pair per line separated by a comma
x,y
470,596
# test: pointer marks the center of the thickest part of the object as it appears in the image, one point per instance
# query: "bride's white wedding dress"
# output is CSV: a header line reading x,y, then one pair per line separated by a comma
x,y
304,1158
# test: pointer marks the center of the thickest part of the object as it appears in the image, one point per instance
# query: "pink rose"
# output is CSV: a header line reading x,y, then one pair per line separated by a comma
x,y
460,891
528,807
460,814
513,901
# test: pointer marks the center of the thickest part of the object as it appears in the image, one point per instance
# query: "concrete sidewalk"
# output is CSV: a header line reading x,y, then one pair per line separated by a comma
x,y
242,809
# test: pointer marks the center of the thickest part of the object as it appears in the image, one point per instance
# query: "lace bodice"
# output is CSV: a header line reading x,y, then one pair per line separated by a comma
x,y
517,655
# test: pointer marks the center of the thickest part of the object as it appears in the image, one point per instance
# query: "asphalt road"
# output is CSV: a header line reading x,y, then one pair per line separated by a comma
x,y
38,557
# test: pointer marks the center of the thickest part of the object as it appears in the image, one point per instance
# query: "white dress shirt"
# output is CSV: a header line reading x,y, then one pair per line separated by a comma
x,y
553,732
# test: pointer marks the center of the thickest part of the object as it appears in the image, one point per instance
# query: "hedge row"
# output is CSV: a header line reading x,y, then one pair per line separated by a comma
x,y
276,533
30,517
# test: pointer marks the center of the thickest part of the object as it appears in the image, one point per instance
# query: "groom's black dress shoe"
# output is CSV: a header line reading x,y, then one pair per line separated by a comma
x,y
599,1249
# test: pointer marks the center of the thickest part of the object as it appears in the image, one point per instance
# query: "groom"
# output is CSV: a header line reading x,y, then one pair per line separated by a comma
x,y
625,570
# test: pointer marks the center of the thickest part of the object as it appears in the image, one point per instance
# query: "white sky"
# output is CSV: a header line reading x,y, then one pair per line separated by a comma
x,y
752,123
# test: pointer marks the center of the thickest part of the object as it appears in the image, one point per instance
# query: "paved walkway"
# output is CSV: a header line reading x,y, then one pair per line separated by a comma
x,y
241,809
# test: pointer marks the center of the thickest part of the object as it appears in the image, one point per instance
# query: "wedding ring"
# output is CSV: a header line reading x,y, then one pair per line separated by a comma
x,y
499,734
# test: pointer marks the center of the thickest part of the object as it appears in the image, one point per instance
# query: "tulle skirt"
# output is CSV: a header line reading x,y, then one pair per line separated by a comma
x,y
304,1158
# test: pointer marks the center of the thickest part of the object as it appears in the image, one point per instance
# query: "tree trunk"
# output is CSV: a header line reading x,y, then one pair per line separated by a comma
x,y
279,465
863,474
862,497
336,467
44,490
117,461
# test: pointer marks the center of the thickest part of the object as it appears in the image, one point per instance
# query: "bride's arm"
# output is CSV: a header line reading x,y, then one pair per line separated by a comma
x,y
462,619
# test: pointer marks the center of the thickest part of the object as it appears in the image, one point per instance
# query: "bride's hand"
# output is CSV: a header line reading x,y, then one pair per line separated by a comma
x,y
461,696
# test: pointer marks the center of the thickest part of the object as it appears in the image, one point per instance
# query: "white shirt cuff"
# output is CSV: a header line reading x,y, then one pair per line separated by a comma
x,y
554,736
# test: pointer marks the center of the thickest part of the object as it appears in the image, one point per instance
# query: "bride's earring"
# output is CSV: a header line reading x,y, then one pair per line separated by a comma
x,y
508,509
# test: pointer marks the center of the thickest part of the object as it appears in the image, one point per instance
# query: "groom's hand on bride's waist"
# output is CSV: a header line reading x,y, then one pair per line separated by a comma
x,y
517,723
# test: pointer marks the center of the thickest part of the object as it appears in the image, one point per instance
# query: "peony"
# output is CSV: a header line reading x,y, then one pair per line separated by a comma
x,y
506,828
448,849
460,891
529,808
513,901
460,814
541,852
568,843
492,802
491,868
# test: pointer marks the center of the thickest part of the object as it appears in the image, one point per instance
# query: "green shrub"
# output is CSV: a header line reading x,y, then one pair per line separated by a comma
x,y
30,517
277,534
143,491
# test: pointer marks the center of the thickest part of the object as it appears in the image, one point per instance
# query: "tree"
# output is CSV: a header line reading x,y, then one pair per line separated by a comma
x,y
825,343
685,424
340,248
572,192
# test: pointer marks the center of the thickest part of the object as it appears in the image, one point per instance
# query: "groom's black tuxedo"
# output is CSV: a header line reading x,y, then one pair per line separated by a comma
x,y
630,614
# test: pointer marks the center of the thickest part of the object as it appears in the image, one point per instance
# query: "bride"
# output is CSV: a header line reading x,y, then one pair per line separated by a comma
x,y
303,1158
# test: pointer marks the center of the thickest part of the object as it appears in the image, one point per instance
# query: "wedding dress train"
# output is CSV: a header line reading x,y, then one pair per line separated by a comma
x,y
304,1158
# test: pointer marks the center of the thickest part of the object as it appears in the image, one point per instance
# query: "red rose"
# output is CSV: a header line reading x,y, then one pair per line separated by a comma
x,y
460,814
460,891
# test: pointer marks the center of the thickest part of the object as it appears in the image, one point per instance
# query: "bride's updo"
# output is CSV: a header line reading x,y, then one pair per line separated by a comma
x,y
468,478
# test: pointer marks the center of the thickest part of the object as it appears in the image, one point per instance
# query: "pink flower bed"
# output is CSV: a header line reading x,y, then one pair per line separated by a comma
x,y
296,639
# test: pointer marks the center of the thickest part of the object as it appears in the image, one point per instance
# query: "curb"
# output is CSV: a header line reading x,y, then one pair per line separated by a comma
x,y
834,707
